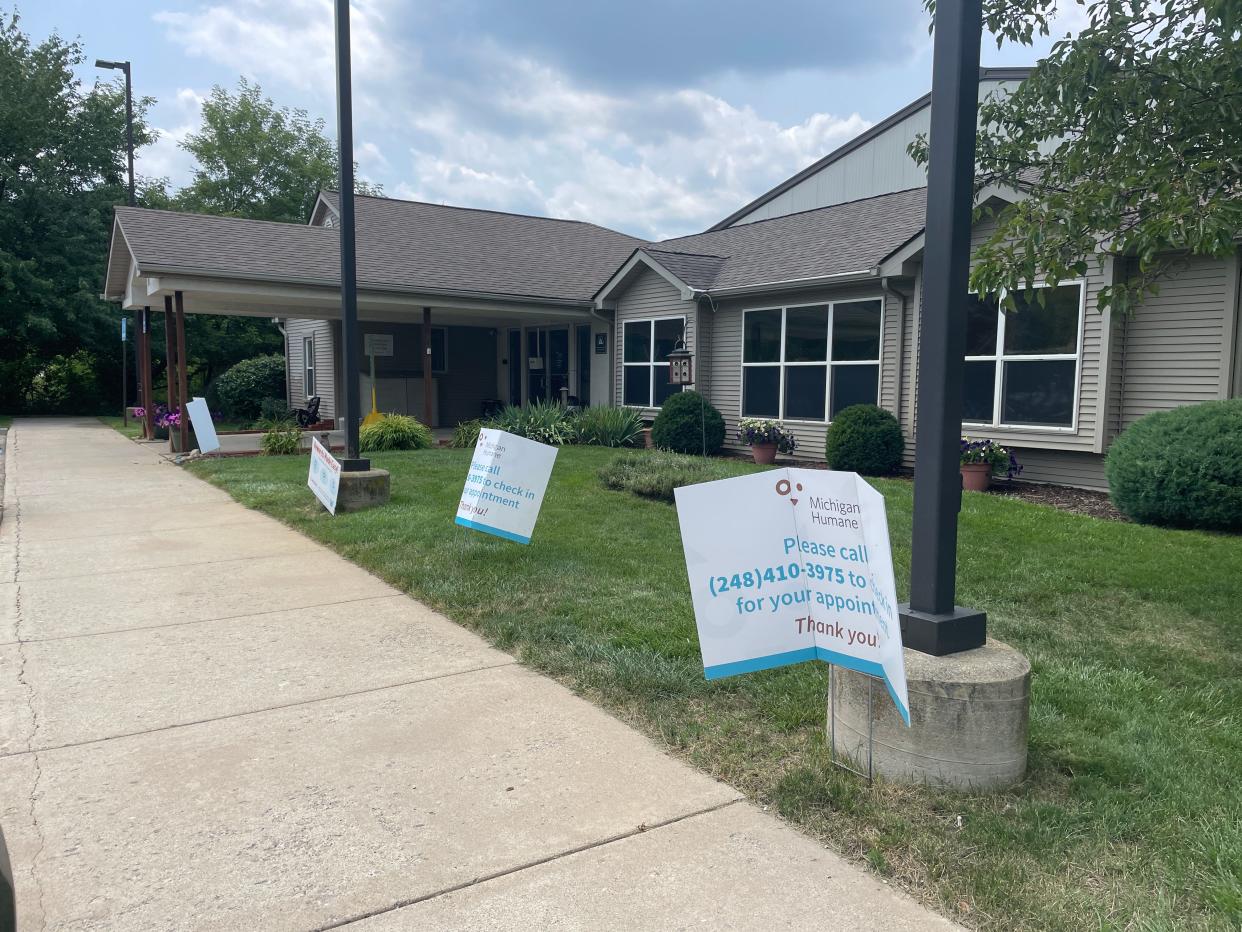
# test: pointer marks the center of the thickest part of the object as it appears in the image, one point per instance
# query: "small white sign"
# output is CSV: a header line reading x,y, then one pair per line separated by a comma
x,y
325,475
204,430
377,344
505,485
791,565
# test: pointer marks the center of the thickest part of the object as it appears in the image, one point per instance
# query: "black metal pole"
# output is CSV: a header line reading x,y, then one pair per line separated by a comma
x,y
129,129
349,266
932,622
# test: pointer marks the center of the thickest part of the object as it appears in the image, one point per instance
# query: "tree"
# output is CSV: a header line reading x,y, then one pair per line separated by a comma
x,y
1124,139
62,167
258,160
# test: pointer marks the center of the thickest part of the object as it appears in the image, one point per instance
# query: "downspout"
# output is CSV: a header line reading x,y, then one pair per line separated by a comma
x,y
887,289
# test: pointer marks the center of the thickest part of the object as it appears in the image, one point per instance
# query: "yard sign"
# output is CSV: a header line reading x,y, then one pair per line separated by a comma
x,y
505,485
204,430
791,565
325,475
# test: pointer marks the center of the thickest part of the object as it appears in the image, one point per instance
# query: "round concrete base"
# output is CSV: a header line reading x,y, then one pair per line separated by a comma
x,y
365,489
968,719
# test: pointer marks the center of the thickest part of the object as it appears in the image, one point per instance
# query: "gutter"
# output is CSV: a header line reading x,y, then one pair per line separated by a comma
x,y
789,283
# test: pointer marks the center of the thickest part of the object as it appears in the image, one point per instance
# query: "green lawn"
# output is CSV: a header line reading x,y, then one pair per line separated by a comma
x,y
132,430
6,420
1131,816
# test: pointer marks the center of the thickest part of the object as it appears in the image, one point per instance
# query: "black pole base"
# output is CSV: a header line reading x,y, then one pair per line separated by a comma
x,y
355,465
940,634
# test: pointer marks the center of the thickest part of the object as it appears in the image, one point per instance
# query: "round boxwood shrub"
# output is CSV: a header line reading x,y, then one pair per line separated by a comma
x,y
688,424
865,439
1181,468
239,392
394,432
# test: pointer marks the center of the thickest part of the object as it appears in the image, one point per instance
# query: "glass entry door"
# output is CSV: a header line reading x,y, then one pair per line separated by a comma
x,y
547,360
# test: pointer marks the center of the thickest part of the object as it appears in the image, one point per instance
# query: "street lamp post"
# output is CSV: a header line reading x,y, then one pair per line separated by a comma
x,y
932,622
123,66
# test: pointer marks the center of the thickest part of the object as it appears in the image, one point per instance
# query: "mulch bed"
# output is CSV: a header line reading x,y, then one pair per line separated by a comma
x,y
1076,501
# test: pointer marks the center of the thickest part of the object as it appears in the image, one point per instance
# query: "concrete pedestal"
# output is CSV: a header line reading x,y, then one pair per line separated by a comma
x,y
968,715
364,489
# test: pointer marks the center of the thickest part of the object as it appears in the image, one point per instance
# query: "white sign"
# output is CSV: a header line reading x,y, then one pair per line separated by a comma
x,y
505,486
791,565
204,430
325,475
377,344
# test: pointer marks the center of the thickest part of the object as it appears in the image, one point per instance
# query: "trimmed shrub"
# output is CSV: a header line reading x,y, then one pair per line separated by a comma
x,y
688,424
1181,468
608,427
394,432
239,392
656,473
280,438
466,434
865,439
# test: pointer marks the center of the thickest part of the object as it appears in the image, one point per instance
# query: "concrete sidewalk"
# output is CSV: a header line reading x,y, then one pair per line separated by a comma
x,y
209,722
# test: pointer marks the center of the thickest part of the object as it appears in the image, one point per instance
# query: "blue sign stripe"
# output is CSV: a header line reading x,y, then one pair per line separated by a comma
x,y
486,529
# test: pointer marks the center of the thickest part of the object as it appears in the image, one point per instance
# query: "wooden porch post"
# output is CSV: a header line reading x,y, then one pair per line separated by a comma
x,y
144,374
170,353
182,388
427,366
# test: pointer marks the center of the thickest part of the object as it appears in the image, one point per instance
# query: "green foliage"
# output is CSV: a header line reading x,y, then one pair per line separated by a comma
x,y
865,439
1181,468
66,385
240,392
258,160
280,438
656,473
688,424
394,432
466,434
1164,78
542,421
608,427
274,409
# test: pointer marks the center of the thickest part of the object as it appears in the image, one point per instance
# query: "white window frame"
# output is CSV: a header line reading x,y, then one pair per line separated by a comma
x,y
653,364
1000,357
828,362
309,375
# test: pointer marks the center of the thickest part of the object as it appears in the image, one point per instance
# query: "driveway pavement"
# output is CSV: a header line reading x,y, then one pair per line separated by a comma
x,y
207,721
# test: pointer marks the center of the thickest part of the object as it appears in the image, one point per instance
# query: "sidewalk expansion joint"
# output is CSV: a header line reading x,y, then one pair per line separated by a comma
x,y
517,869
274,708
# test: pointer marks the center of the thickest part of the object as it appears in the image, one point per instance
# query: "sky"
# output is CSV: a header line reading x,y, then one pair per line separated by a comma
x,y
654,117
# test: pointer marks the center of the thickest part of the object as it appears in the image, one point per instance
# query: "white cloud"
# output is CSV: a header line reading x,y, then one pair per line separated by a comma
x,y
165,158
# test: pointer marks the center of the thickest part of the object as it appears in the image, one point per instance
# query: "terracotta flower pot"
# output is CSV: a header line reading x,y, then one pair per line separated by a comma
x,y
976,477
647,442
764,453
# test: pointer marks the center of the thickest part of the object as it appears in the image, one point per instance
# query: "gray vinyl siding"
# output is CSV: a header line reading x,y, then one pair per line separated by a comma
x,y
1062,467
325,364
1175,349
725,391
648,296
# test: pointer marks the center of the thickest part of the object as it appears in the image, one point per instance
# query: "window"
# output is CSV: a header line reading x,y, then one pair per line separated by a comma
x,y
1021,366
644,360
808,362
308,363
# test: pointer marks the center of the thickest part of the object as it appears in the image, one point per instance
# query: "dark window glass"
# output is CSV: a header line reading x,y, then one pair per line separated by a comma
x,y
637,389
804,392
667,333
638,341
1039,392
806,334
583,335
662,387
978,392
761,340
1047,328
761,387
515,367
856,330
558,352
981,321
854,385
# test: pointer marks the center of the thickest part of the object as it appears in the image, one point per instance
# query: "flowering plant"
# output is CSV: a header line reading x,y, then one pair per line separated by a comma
x,y
1000,458
757,431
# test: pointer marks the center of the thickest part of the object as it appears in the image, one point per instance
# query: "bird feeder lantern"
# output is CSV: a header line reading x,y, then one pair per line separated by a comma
x,y
680,365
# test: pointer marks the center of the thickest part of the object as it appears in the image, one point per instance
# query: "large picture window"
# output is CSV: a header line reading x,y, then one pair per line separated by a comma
x,y
644,360
808,362
1022,365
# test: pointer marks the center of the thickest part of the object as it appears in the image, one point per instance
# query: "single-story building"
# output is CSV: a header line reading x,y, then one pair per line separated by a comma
x,y
797,305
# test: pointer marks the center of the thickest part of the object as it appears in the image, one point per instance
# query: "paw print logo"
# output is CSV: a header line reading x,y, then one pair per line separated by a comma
x,y
784,487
